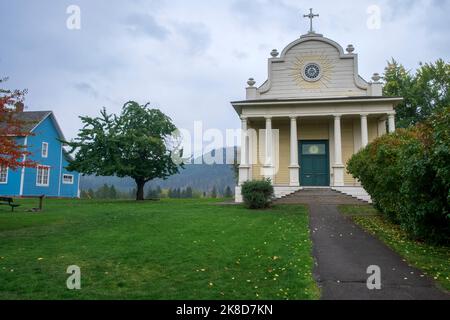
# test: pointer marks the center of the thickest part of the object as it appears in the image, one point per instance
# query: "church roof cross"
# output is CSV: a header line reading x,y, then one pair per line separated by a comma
x,y
311,16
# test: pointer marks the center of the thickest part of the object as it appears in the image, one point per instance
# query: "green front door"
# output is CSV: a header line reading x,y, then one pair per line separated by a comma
x,y
314,163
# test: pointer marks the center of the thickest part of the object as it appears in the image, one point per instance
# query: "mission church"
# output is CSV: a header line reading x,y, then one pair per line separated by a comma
x,y
322,112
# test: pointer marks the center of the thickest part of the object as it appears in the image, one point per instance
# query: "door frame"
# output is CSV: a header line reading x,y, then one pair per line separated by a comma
x,y
300,157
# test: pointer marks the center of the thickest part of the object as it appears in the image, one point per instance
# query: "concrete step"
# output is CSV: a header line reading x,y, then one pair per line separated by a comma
x,y
322,196
356,192
281,192
322,201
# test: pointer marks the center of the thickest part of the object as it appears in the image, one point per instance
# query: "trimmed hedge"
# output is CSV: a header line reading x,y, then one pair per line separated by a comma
x,y
407,174
258,194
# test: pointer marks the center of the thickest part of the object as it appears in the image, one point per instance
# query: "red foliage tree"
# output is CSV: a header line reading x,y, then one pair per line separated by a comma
x,y
12,154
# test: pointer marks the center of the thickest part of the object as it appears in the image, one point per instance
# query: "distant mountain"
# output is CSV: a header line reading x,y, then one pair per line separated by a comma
x,y
201,177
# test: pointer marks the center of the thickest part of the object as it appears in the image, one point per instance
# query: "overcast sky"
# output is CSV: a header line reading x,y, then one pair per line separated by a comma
x,y
191,58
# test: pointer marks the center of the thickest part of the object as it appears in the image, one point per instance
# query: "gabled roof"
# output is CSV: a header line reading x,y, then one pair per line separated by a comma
x,y
32,119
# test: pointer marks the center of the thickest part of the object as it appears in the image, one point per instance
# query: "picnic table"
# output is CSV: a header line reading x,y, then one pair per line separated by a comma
x,y
7,201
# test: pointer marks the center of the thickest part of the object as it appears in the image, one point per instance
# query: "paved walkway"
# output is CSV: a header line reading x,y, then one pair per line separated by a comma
x,y
343,252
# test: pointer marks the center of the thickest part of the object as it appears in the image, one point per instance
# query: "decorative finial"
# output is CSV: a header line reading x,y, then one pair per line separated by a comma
x,y
376,78
251,82
350,48
274,53
311,16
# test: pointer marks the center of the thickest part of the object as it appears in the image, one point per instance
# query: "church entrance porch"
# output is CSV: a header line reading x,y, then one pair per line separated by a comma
x,y
305,151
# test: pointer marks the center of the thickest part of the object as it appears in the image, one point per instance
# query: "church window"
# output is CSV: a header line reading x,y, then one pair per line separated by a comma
x,y
312,72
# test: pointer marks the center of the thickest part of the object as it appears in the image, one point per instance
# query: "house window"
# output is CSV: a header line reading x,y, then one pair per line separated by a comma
x,y
3,175
43,176
68,179
44,150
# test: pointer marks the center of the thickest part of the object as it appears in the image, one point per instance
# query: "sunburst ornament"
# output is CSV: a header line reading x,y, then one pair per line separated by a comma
x,y
312,71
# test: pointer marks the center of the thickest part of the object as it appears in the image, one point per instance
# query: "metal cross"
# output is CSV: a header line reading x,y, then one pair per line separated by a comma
x,y
311,16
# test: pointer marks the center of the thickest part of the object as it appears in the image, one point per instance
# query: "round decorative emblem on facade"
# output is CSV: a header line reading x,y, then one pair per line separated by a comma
x,y
314,149
312,72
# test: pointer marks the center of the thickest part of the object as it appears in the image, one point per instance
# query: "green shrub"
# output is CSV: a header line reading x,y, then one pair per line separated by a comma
x,y
407,175
258,194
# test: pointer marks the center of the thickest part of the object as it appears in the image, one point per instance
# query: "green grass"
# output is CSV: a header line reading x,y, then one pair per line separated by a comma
x,y
186,249
432,260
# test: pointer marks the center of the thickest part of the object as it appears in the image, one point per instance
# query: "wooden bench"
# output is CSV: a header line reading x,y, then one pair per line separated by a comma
x,y
6,201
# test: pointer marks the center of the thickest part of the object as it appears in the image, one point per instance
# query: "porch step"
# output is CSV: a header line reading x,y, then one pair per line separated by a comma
x,y
319,196
281,192
355,192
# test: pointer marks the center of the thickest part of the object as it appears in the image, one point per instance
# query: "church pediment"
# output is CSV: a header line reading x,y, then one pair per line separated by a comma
x,y
313,66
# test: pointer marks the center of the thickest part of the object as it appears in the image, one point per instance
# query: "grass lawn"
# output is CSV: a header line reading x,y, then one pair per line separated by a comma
x,y
173,249
432,260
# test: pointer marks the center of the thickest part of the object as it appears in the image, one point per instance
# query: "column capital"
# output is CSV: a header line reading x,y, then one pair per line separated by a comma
x,y
268,117
293,118
364,115
244,118
337,116
392,114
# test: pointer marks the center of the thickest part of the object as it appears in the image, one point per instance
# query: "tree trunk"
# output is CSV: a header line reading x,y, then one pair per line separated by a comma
x,y
140,189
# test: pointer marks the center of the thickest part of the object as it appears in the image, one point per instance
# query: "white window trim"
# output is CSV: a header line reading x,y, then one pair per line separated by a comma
x,y
45,156
68,175
37,175
7,172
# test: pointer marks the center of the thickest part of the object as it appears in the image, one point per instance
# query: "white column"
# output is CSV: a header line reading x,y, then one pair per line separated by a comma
x,y
268,160
244,149
391,123
268,165
244,166
337,140
364,131
338,167
294,166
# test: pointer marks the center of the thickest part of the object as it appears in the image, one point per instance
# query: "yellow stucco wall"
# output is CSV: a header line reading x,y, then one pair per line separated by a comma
x,y
373,129
313,129
282,176
348,146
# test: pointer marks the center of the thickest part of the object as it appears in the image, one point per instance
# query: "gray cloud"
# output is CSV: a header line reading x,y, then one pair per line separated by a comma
x,y
240,54
191,58
86,88
145,24
196,35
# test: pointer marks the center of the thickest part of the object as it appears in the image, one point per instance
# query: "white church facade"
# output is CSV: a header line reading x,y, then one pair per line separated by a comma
x,y
302,125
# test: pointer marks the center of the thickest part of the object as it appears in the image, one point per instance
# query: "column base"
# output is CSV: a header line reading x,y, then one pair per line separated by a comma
x,y
294,174
244,174
268,172
238,195
338,175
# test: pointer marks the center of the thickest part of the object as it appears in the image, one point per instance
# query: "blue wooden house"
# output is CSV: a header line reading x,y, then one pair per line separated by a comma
x,y
50,177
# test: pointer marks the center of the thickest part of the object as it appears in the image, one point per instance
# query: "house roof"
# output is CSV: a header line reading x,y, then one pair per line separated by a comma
x,y
32,119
